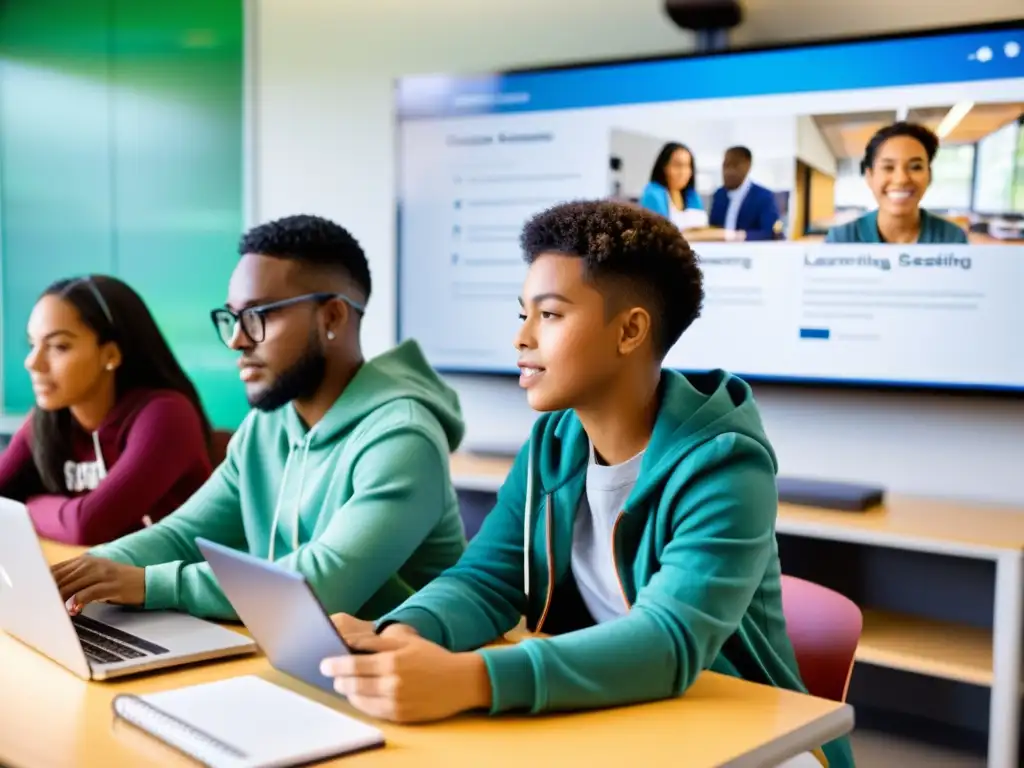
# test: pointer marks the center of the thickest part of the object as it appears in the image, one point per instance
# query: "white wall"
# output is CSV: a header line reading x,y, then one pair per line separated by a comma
x,y
851,190
812,148
637,151
323,142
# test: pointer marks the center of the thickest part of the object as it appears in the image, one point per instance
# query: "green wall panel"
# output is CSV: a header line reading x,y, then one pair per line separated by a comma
x,y
121,152
55,160
177,75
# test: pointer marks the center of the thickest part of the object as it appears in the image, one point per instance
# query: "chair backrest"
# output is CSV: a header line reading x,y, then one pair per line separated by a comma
x,y
219,445
824,628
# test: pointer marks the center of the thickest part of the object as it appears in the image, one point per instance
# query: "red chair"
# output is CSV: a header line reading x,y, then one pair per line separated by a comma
x,y
824,628
219,445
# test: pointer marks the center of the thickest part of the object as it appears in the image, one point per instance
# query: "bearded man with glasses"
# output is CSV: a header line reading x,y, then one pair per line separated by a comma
x,y
340,471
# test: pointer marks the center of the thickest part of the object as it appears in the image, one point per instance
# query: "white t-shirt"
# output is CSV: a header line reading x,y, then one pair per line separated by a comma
x,y
593,563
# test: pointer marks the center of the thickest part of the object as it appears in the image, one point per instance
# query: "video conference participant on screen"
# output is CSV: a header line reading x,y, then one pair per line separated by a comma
x,y
118,436
897,166
340,471
745,210
672,190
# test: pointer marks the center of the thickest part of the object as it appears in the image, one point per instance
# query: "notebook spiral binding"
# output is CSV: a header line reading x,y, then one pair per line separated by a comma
x,y
192,741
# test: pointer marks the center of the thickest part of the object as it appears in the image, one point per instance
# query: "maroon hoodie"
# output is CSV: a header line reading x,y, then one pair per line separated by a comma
x,y
147,457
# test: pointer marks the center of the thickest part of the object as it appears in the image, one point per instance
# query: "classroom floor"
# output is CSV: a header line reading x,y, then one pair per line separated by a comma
x,y
872,749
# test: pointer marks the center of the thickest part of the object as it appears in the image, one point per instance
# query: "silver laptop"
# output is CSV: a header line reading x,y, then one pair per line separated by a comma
x,y
104,641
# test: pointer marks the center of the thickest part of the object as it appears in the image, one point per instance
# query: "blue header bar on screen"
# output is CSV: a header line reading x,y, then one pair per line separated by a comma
x,y
957,57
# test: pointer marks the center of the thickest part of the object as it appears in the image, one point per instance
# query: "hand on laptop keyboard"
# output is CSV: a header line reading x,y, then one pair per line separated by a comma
x,y
83,580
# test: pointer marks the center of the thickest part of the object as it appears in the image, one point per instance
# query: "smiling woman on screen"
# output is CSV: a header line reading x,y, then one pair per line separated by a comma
x,y
897,166
118,434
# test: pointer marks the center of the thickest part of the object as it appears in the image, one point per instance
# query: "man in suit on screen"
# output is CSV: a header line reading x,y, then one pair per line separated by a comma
x,y
742,208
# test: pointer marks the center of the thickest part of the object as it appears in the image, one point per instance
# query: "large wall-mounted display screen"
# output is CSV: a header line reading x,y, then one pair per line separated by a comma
x,y
802,282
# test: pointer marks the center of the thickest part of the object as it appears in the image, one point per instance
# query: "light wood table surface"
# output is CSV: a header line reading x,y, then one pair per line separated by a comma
x,y
50,718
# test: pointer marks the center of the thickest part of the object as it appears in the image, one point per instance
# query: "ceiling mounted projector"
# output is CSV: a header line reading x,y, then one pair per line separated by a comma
x,y
711,20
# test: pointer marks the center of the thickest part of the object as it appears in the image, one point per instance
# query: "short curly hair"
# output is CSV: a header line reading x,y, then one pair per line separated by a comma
x,y
924,135
629,254
313,240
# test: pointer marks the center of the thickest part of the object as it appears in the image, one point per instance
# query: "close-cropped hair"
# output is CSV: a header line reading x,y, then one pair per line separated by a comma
x,y
630,255
743,152
313,240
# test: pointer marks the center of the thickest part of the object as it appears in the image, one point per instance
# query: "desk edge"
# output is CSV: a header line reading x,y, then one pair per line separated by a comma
x,y
804,738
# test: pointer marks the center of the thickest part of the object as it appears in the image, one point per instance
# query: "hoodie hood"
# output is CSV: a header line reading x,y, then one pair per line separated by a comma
x,y
694,409
400,373
361,503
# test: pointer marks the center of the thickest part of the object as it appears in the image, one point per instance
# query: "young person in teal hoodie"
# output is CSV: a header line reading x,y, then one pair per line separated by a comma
x,y
341,469
637,525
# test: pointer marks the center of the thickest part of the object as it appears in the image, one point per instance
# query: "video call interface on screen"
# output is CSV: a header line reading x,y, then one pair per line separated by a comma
x,y
800,283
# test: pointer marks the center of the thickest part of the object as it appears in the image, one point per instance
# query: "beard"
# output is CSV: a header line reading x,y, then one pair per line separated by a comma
x,y
298,382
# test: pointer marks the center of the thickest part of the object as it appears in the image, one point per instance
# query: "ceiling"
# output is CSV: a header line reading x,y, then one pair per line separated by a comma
x,y
847,134
769,21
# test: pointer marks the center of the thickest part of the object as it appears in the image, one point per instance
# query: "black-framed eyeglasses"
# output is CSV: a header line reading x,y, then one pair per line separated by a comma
x,y
253,320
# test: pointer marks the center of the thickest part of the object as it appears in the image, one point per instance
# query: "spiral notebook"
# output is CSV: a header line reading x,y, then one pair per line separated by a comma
x,y
246,722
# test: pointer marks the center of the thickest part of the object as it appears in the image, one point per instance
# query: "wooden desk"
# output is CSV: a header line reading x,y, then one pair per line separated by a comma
x,y
936,649
49,717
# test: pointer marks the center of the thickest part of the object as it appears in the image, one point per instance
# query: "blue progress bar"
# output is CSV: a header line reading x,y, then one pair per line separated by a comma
x,y
814,333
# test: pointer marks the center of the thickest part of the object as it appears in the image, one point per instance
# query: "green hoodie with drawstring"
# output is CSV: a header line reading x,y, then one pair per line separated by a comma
x,y
361,504
694,549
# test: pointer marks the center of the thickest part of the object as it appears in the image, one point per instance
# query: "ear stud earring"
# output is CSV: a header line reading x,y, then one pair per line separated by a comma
x,y
110,366
330,335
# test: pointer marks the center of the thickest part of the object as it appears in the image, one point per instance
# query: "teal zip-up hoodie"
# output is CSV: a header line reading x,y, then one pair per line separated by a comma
x,y
361,504
694,548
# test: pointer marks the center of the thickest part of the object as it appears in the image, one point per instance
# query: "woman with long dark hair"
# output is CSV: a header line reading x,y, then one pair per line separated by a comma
x,y
672,190
118,437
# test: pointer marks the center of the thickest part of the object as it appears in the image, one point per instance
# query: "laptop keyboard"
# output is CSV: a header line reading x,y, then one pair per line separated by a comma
x,y
104,644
